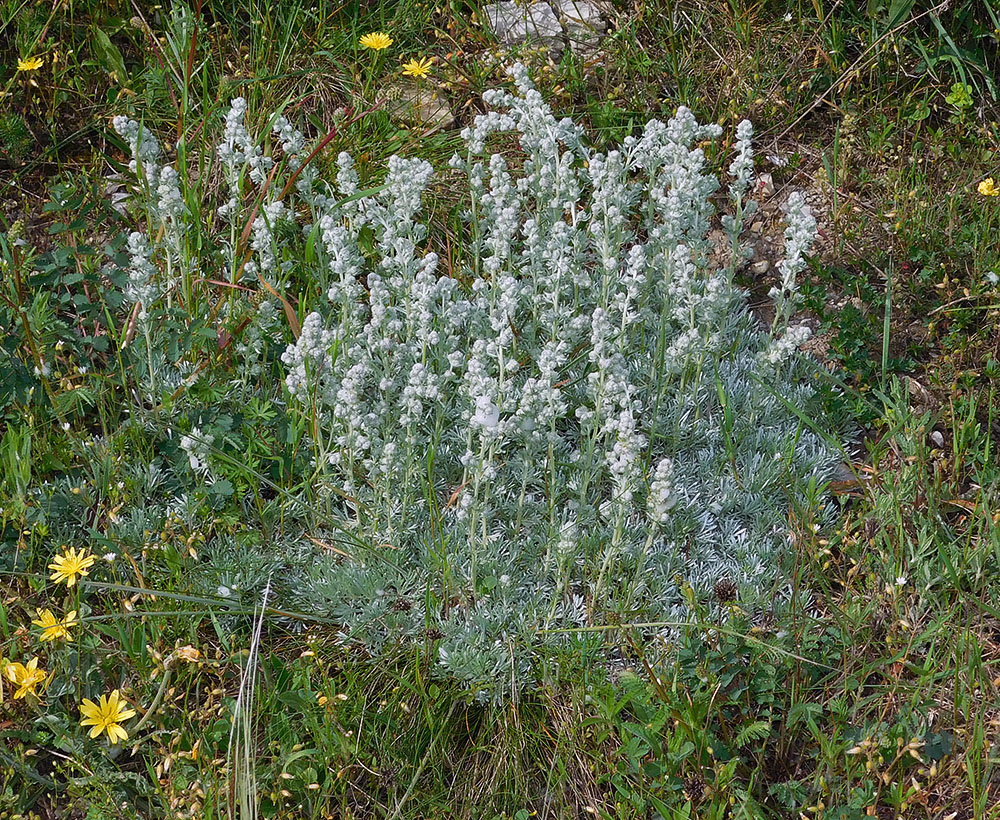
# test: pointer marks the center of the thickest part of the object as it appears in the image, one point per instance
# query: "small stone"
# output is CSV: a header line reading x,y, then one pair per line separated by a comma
x,y
765,185
757,227
920,397
844,473
760,267
514,23
422,106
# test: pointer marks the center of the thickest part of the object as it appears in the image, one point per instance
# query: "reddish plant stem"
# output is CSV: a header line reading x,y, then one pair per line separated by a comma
x,y
248,253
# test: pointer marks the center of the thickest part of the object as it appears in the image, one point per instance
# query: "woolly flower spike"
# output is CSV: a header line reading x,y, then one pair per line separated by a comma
x,y
741,168
52,627
799,236
143,145
107,716
376,40
782,348
141,287
308,360
292,140
661,492
418,68
988,187
31,64
263,237
237,150
170,202
66,567
25,678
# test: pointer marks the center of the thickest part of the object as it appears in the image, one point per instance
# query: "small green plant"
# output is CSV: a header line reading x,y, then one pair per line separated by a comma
x,y
15,138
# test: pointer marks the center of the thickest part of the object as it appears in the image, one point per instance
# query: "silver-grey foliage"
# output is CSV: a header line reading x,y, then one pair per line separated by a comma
x,y
580,418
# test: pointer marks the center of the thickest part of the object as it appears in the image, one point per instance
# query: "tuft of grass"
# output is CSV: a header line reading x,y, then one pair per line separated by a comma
x,y
243,795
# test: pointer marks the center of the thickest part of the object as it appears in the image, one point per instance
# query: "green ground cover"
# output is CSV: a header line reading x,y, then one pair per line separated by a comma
x,y
876,695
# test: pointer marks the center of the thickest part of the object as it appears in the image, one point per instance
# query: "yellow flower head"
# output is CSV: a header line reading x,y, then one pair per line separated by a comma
x,y
66,567
107,716
376,40
418,68
988,187
25,678
31,64
52,627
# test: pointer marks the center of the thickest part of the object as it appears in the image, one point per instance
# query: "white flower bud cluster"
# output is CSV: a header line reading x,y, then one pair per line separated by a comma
x,y
346,265
347,176
165,203
309,361
784,347
741,168
262,240
143,146
542,403
678,206
239,155
142,288
662,494
168,191
293,144
800,234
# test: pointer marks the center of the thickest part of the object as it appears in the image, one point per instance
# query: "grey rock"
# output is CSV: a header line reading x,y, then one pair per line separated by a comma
x,y
765,185
844,473
761,267
422,106
516,23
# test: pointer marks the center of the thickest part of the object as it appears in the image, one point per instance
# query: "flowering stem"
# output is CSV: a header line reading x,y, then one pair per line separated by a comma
x,y
612,549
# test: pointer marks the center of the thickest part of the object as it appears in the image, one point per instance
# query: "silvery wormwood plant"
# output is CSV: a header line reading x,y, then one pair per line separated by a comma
x,y
580,420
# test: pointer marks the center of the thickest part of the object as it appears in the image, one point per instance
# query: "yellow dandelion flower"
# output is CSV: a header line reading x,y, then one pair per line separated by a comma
x,y
418,68
31,64
25,678
988,187
107,716
376,40
66,567
52,627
